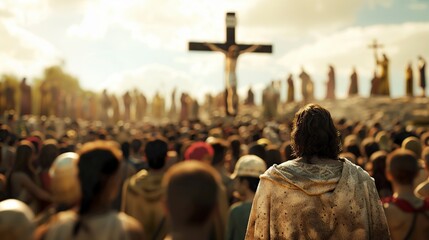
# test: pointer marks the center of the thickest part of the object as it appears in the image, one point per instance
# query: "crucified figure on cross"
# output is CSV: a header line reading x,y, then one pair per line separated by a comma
x,y
231,57
232,51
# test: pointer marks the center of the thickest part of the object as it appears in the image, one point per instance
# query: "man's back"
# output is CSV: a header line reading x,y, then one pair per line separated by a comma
x,y
142,200
400,217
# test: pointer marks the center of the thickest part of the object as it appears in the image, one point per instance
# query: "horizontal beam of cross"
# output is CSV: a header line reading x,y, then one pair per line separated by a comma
x,y
199,46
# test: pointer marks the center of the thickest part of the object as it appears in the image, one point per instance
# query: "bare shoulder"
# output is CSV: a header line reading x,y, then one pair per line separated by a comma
x,y
394,215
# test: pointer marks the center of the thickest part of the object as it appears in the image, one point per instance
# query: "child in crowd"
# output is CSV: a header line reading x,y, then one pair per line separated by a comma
x,y
246,176
407,215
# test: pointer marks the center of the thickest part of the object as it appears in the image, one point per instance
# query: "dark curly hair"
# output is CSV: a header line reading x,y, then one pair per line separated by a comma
x,y
314,133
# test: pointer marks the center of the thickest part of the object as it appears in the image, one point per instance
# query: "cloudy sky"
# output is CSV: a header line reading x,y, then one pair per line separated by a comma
x,y
121,45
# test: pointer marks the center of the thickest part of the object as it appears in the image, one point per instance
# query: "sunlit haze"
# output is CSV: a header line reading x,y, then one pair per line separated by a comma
x,y
121,45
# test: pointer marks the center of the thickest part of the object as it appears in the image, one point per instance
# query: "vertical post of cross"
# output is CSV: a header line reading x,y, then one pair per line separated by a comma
x,y
231,22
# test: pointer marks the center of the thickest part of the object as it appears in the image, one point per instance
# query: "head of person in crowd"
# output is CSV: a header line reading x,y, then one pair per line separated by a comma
x,y
25,155
4,134
125,148
314,133
48,153
200,151
136,146
16,220
287,151
65,186
235,146
98,166
191,197
247,172
368,146
413,144
424,139
351,144
384,141
156,153
37,140
273,156
402,167
220,148
360,130
258,149
378,171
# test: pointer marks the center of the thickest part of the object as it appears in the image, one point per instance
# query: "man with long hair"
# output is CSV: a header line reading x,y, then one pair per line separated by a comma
x,y
317,195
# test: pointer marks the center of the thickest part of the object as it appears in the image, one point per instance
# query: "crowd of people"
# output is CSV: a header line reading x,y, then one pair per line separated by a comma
x,y
311,178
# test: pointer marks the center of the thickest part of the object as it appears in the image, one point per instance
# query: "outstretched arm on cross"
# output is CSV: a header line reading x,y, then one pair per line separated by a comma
x,y
213,47
250,49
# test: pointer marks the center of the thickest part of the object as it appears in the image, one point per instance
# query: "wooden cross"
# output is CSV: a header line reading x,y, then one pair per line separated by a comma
x,y
231,100
230,39
375,46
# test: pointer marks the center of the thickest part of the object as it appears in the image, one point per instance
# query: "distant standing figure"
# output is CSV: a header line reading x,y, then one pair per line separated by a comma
x,y
25,98
375,83
384,87
184,111
353,89
10,96
115,106
330,85
158,105
306,86
126,98
137,106
173,110
250,100
105,104
44,98
422,74
290,89
269,102
55,97
409,80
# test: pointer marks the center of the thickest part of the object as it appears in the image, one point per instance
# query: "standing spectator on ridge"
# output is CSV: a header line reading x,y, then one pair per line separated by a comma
x,y
317,195
422,75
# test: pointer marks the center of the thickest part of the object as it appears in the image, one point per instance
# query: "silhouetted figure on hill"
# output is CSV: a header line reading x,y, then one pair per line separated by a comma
x,y
306,87
44,98
25,98
9,93
330,85
290,89
422,75
375,83
250,100
353,88
105,104
409,81
126,98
